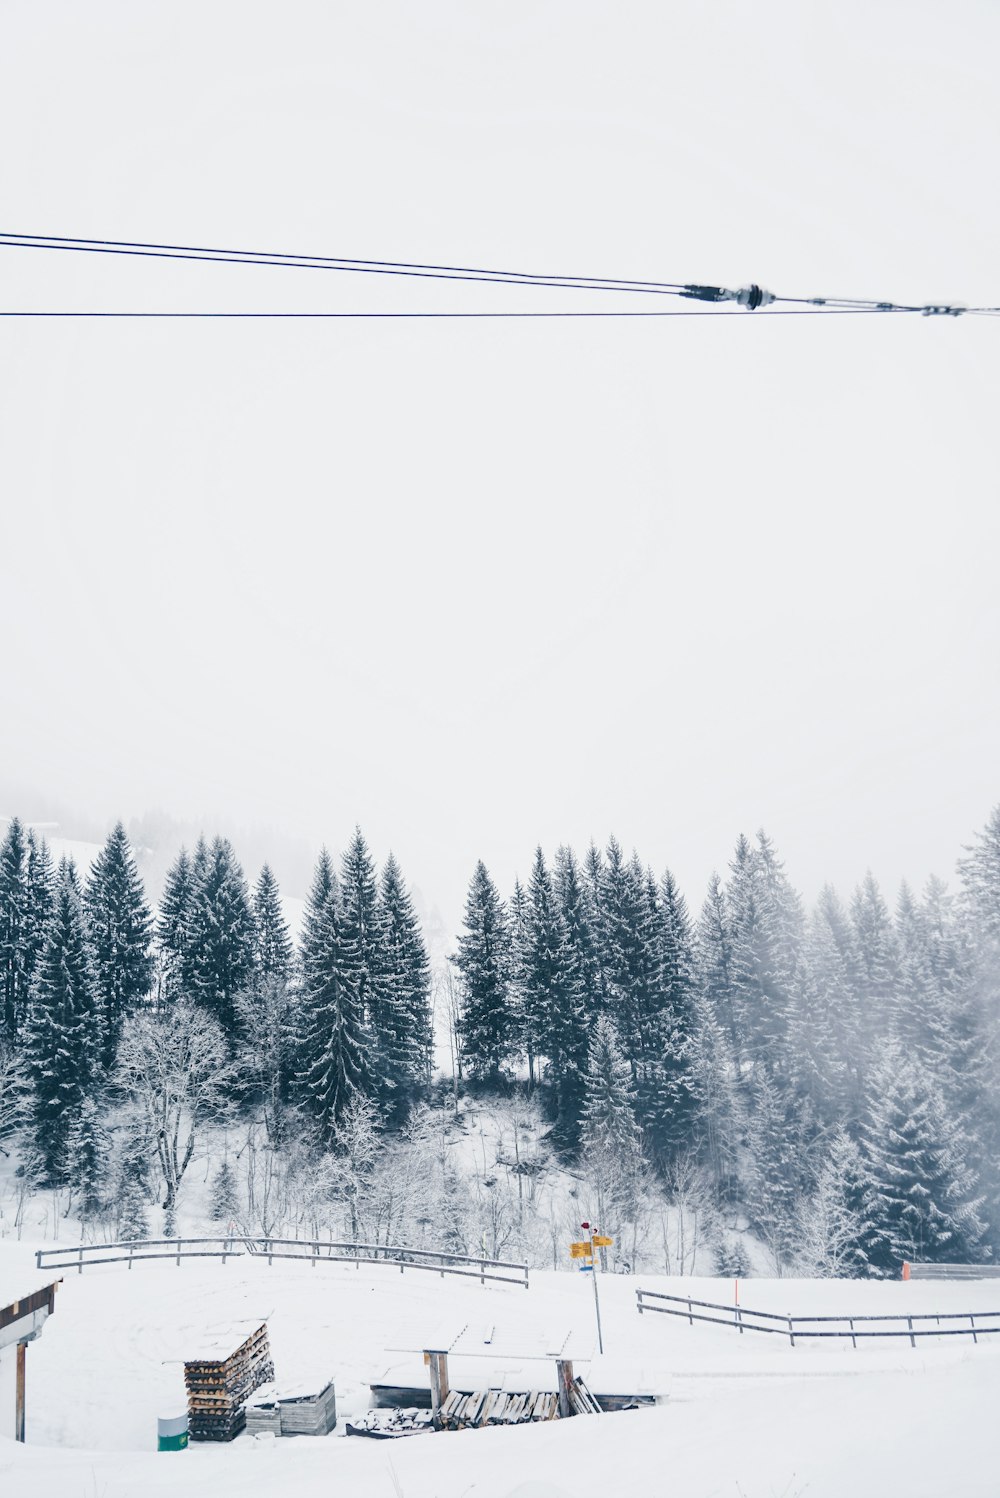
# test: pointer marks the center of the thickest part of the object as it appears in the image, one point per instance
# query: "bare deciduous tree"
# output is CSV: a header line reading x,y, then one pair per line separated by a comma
x,y
175,1065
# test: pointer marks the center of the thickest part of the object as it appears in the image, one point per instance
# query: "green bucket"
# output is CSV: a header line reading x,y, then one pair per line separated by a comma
x,y
172,1432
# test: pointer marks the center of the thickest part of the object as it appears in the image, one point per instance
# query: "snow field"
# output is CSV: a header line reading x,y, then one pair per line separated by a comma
x,y
746,1414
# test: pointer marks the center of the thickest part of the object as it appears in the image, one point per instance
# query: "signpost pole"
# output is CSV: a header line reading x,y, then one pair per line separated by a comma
x,y
597,1298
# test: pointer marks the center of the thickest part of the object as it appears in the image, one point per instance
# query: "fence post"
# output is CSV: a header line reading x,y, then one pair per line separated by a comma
x,y
638,1300
690,1313
791,1331
854,1340
131,1247
972,1323
909,1322
79,1267
315,1253
739,1319
224,1243
179,1253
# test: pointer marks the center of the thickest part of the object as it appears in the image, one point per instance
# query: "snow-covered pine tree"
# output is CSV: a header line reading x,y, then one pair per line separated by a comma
x,y
611,1140
88,1149
173,926
765,919
334,1058
922,1195
832,1226
668,1106
714,965
41,893
132,1217
359,917
878,960
272,942
631,957
120,928
526,1023
14,926
592,887
554,997
225,1206
774,1163
62,1031
980,874
487,1022
823,1065
577,914
403,1030
219,935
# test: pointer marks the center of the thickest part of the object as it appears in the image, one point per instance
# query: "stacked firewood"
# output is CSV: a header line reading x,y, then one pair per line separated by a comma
x,y
218,1389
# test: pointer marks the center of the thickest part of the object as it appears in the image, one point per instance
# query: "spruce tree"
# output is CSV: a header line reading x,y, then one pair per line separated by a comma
x,y
667,1098
922,1188
525,1023
878,961
88,1148
173,925
554,996
15,976
980,873
225,1195
611,1139
403,1029
714,963
334,1059
272,943
487,1021
120,930
220,935
41,894
62,1031
359,914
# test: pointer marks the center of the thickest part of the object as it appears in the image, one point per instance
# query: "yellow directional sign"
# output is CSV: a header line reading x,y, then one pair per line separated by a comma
x,y
603,1242
580,1251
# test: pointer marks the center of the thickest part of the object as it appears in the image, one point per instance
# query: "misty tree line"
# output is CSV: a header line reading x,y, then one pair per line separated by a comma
x,y
823,1080
161,1025
831,1074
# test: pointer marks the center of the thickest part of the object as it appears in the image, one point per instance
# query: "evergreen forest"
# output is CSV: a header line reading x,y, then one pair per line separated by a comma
x,y
748,1086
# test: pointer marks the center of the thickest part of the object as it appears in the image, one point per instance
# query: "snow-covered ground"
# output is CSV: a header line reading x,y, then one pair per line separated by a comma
x,y
744,1416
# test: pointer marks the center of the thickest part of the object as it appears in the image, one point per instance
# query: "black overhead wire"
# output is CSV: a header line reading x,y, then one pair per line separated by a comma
x,y
361,316
752,298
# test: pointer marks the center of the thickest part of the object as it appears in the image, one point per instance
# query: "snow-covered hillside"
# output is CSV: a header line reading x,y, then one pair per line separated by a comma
x,y
743,1416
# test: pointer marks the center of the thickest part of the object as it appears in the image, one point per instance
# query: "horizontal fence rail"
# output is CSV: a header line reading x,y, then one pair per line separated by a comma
x,y
315,1250
950,1271
974,1324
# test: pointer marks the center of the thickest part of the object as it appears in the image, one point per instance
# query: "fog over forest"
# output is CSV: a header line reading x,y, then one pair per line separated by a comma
x,y
745,1085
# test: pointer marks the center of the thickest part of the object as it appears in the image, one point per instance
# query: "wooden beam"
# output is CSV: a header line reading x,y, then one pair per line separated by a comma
x,y
564,1369
22,1348
440,1387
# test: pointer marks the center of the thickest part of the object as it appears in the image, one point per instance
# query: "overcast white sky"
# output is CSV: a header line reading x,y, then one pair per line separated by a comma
x,y
482,585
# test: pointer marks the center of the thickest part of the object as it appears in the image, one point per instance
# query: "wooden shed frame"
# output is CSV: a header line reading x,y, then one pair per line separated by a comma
x,y
20,1323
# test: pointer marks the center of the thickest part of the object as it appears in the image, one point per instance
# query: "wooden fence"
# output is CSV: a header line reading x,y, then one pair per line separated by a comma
x,y
974,1324
950,1271
316,1250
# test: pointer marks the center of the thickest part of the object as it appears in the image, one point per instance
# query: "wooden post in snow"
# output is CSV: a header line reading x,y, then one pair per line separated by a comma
x,y
564,1369
22,1348
438,1362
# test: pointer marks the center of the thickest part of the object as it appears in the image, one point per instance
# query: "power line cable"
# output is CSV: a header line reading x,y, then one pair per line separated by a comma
x,y
380,316
751,297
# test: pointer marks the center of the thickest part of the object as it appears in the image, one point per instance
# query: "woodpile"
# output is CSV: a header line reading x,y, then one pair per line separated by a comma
x,y
293,1410
495,1407
219,1387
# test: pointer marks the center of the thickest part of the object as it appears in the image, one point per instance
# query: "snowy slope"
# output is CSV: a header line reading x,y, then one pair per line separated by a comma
x,y
824,1419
